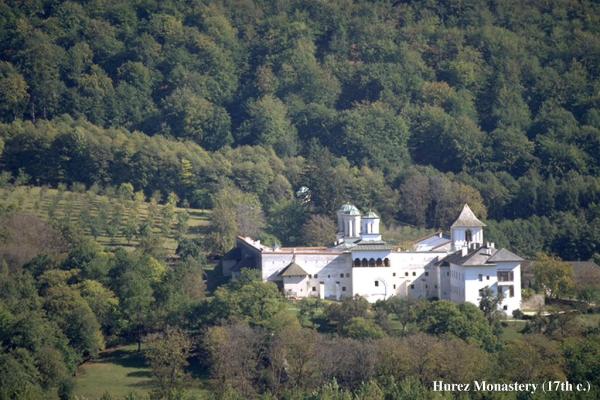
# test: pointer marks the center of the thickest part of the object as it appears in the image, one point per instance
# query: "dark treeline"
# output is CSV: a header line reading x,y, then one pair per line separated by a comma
x,y
407,107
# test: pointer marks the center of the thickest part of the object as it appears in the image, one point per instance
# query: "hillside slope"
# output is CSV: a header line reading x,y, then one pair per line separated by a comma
x,y
113,221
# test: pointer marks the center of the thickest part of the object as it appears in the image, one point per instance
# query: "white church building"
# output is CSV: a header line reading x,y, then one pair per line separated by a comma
x,y
361,263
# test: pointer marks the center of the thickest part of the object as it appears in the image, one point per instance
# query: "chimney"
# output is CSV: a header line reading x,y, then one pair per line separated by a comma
x,y
464,251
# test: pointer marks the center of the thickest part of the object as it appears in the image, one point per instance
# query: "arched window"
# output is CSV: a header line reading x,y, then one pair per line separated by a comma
x,y
372,262
364,262
357,262
386,262
379,262
468,235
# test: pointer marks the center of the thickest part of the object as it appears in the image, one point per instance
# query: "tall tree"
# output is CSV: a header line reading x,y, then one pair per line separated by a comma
x,y
268,124
553,276
13,92
235,213
168,355
319,230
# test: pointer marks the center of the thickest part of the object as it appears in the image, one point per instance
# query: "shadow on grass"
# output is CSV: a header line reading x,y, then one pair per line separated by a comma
x,y
199,230
140,374
196,212
124,358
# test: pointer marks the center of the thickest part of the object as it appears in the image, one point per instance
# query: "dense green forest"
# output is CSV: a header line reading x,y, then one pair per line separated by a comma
x,y
409,107
266,116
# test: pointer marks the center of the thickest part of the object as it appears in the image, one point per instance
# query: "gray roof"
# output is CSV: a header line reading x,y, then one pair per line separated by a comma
x,y
586,273
369,245
504,255
480,256
347,243
433,242
583,264
293,269
467,218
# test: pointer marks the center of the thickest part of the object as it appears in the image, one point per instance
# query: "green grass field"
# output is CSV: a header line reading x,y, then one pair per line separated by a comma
x,y
512,330
118,372
121,371
83,207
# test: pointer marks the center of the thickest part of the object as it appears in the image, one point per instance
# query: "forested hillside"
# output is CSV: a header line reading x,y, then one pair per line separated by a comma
x,y
409,107
138,138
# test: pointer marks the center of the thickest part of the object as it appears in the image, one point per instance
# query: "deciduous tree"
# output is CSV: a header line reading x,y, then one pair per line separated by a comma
x,y
553,276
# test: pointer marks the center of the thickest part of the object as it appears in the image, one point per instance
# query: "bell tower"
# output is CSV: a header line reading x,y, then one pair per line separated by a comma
x,y
467,230
370,227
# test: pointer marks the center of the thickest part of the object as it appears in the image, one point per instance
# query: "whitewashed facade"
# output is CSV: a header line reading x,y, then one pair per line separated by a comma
x,y
457,268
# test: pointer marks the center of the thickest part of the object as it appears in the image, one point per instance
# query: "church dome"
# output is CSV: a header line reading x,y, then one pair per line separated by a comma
x,y
371,214
349,209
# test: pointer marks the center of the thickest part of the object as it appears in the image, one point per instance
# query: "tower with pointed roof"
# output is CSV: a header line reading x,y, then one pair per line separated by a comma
x,y
467,230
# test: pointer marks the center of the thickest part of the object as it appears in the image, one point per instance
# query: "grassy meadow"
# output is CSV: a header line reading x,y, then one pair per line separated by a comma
x,y
121,371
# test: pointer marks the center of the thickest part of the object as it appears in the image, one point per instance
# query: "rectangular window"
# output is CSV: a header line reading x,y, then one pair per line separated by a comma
x,y
329,276
343,288
435,286
511,291
341,275
487,277
448,273
376,283
426,287
314,289
414,273
505,276
480,278
426,273
394,286
412,286
316,276
347,275
394,274
406,273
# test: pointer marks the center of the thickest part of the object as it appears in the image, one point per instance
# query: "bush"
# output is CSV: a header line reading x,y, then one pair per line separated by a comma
x,y
78,187
526,293
361,328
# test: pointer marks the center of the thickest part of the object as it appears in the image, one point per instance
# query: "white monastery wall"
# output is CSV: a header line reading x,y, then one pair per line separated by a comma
x,y
368,267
